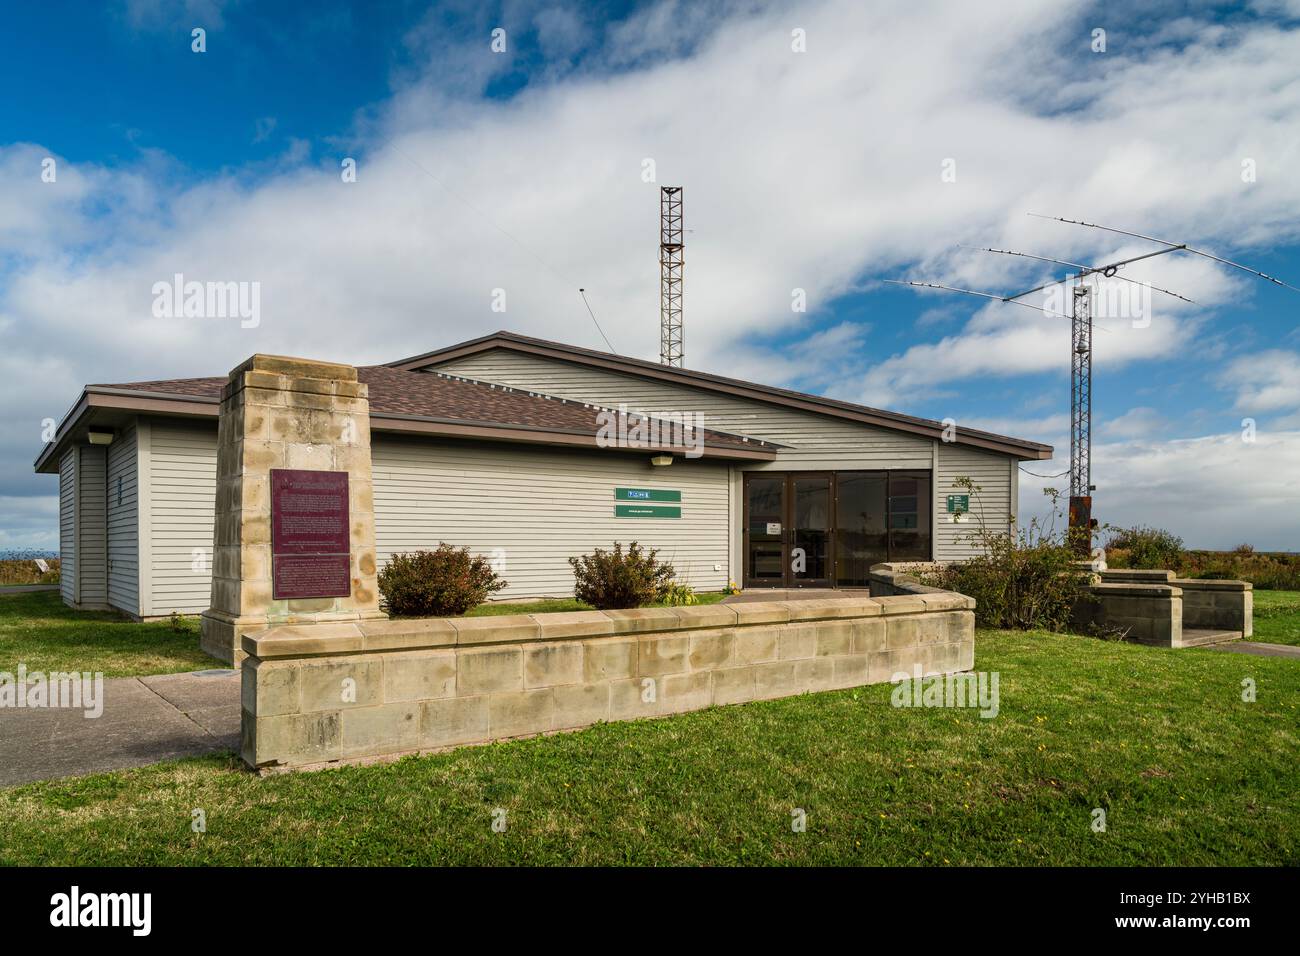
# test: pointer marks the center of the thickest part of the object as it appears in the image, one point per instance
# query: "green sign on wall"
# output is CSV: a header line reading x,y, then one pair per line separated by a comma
x,y
647,511
646,494
958,504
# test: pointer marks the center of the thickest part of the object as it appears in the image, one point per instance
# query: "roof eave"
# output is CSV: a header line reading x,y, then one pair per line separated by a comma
x,y
159,403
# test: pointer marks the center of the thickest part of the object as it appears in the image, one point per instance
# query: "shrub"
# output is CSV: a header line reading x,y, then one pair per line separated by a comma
x,y
1016,584
1027,580
1266,570
436,583
620,579
676,595
27,571
1145,548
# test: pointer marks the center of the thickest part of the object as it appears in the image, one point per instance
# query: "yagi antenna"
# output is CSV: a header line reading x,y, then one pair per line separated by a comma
x,y
983,295
1081,328
1085,270
1174,246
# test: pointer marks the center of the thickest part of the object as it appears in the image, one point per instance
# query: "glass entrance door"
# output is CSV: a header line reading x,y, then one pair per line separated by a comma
x,y
764,543
788,531
809,564
826,529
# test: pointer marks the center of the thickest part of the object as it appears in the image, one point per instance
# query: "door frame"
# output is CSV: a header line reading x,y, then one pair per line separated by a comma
x,y
787,530
747,476
788,580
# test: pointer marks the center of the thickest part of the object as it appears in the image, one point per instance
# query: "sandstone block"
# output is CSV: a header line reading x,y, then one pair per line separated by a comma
x,y
521,712
489,670
662,655
419,675
546,665
384,729
580,705
453,721
710,649
612,658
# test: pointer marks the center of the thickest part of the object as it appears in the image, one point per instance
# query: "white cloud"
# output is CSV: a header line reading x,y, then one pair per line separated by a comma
x,y
1214,492
1139,422
809,170
1265,382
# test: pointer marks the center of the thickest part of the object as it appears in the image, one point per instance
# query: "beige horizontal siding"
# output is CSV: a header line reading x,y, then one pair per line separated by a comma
x,y
818,441
992,506
68,526
182,519
123,523
540,507
92,538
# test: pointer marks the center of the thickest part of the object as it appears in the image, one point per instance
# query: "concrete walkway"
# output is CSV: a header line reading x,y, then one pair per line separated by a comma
x,y
145,719
1259,650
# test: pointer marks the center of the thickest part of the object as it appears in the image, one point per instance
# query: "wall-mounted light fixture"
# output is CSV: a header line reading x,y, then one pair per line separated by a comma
x,y
101,436
661,461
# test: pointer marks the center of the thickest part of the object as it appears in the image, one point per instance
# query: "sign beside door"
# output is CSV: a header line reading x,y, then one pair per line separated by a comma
x,y
647,511
647,494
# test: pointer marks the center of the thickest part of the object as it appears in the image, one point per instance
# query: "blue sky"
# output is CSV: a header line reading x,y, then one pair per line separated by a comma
x,y
817,169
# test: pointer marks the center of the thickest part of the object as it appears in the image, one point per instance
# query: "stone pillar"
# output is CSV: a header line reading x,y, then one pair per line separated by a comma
x,y
294,413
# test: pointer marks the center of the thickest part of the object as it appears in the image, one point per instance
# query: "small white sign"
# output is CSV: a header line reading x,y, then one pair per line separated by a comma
x,y
774,527
45,568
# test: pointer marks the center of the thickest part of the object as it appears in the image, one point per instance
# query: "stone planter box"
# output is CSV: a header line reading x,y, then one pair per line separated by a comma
x,y
1158,608
324,693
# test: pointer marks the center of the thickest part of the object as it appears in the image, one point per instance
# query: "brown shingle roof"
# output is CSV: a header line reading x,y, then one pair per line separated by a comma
x,y
442,397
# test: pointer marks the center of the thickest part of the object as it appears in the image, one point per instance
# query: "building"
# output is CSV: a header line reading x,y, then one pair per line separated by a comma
x,y
516,447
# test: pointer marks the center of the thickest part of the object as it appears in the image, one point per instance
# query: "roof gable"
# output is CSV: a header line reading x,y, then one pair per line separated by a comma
x,y
788,398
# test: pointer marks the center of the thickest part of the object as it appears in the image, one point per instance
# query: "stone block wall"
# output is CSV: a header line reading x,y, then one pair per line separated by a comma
x,y
329,692
1218,605
1206,604
1150,613
887,580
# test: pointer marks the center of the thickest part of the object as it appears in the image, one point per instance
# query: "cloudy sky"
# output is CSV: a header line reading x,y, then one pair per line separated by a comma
x,y
822,146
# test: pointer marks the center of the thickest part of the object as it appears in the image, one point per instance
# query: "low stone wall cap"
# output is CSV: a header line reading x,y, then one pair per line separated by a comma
x,y
1213,584
1142,589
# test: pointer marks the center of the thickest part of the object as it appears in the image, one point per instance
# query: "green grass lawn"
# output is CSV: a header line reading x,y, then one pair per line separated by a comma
x,y
1277,617
1187,772
39,630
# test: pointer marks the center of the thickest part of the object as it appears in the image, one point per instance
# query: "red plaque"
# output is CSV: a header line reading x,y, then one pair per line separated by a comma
x,y
310,534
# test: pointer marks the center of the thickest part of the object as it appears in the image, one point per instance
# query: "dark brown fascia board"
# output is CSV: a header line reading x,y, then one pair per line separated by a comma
x,y
94,397
159,403
1025,450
